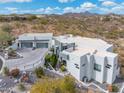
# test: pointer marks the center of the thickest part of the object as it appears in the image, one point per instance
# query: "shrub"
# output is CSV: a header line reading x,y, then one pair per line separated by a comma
x,y
15,72
6,28
21,87
6,71
39,72
69,84
12,53
62,85
5,37
115,88
44,21
52,59
107,18
31,17
63,68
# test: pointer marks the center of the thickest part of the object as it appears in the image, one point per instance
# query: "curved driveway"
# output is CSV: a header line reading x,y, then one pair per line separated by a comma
x,y
31,58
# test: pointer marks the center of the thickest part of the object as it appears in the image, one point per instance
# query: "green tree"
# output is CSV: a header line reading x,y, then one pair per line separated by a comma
x,y
52,59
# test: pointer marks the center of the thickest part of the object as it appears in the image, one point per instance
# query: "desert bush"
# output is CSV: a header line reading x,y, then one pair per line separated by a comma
x,y
63,85
115,88
6,28
6,71
21,87
5,38
44,21
31,17
12,53
15,72
63,68
39,72
107,18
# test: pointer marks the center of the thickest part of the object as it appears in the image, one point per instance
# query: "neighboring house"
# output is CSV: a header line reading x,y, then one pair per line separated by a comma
x,y
34,40
87,58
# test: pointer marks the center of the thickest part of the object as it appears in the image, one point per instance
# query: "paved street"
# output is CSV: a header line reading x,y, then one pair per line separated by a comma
x,y
31,58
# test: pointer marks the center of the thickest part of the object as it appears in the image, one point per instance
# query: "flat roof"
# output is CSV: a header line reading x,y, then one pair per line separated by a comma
x,y
65,38
105,53
91,51
84,42
95,43
36,36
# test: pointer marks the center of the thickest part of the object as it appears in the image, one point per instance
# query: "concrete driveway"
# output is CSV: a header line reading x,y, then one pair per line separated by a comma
x,y
31,58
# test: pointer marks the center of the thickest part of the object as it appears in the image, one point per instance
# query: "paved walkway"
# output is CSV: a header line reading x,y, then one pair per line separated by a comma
x,y
31,58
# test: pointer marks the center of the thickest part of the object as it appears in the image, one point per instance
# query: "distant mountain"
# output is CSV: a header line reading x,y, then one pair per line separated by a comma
x,y
86,13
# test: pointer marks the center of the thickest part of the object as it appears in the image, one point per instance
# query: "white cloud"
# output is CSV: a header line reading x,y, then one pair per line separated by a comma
x,y
47,10
65,1
88,5
11,8
82,8
108,3
68,9
118,9
9,1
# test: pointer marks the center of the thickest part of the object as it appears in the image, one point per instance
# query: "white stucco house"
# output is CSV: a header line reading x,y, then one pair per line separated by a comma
x,y
87,58
34,40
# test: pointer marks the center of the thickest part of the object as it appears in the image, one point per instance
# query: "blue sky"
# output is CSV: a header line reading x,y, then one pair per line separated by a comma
x,y
61,6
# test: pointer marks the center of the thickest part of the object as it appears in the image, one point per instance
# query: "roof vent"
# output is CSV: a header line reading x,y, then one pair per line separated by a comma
x,y
95,52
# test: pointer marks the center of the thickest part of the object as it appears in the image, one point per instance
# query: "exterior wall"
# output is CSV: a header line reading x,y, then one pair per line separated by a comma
x,y
72,67
58,47
90,66
35,43
83,68
98,75
112,72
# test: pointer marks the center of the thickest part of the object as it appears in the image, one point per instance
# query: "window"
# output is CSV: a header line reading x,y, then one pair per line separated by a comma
x,y
108,66
83,65
64,47
77,66
97,67
67,57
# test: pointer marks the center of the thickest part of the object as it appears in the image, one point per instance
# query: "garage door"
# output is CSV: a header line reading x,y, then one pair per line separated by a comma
x,y
42,45
26,45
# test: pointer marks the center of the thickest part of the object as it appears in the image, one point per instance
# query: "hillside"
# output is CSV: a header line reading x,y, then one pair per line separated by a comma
x,y
108,27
